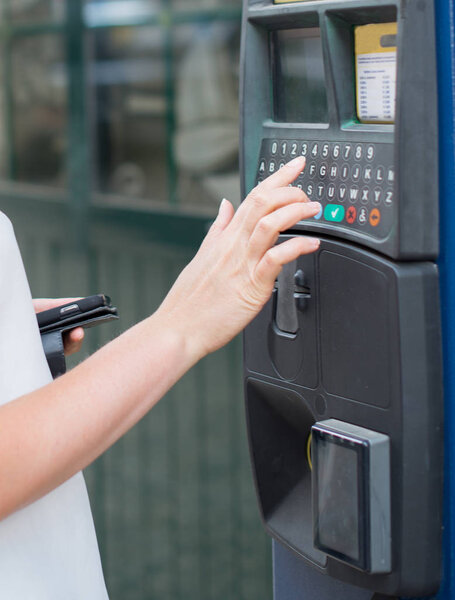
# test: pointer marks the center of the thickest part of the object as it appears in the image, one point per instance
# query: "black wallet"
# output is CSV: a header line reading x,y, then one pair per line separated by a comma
x,y
54,323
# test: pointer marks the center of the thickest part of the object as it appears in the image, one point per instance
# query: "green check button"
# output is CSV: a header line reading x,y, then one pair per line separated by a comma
x,y
334,212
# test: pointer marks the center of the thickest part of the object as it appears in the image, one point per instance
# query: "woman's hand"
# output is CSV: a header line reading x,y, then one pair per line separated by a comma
x,y
232,276
73,339
57,430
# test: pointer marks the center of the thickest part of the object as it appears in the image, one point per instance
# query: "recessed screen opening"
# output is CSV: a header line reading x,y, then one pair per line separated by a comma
x,y
299,80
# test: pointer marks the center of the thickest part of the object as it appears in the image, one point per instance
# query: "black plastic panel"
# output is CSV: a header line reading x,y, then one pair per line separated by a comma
x,y
370,340
356,329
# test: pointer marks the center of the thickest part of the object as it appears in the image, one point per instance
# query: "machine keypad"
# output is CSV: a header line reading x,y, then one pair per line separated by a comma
x,y
354,182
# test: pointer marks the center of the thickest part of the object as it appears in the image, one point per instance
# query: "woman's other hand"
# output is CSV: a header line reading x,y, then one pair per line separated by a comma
x,y
232,276
73,339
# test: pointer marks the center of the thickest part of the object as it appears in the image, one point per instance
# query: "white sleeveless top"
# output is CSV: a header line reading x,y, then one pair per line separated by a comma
x,y
48,550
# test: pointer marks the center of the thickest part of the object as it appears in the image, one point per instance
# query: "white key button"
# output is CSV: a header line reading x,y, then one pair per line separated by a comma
x,y
377,195
353,193
363,216
312,169
379,175
367,174
344,172
342,192
347,151
356,171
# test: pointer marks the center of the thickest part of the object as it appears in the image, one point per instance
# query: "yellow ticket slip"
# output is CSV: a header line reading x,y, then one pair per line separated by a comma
x,y
376,72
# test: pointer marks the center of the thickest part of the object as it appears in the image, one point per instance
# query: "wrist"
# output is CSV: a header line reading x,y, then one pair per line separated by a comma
x,y
180,332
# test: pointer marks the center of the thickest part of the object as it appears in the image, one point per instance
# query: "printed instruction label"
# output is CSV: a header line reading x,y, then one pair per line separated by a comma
x,y
376,71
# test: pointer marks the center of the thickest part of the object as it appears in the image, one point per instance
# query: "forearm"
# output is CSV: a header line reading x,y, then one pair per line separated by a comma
x,y
49,435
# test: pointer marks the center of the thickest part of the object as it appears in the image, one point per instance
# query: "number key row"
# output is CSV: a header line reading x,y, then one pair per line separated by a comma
x,y
325,150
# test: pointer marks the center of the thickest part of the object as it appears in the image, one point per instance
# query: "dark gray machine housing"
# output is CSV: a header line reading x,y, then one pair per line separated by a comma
x,y
366,352
413,141
352,332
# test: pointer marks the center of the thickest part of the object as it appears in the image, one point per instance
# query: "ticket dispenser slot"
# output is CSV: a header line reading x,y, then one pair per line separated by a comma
x,y
343,365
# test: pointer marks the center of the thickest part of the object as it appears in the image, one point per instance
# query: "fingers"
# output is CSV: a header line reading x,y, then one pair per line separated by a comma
x,y
73,341
285,175
271,194
270,265
269,227
225,214
261,203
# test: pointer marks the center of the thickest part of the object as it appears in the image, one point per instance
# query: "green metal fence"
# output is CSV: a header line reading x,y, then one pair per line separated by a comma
x,y
103,198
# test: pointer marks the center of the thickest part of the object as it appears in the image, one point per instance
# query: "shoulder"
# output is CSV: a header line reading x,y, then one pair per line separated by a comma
x,y
5,223
7,236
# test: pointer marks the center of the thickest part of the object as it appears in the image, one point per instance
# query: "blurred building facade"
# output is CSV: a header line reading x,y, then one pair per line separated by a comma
x,y
118,139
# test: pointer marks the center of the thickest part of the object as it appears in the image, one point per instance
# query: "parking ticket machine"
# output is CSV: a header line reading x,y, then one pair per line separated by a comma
x,y
343,383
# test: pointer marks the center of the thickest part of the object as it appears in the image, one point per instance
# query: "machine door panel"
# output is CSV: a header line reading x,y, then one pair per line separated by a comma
x,y
349,345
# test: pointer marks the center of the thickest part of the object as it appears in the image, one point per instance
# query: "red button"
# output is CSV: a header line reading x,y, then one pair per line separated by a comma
x,y
351,214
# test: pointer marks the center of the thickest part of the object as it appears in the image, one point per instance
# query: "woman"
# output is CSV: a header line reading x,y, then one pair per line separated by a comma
x,y
50,431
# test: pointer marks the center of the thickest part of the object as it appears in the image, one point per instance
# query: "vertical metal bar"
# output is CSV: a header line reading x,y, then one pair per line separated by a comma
x,y
168,29
7,11
8,106
98,487
446,69
173,480
202,480
235,475
79,175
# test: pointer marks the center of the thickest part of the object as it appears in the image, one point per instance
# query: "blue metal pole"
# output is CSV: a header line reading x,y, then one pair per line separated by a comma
x,y
446,71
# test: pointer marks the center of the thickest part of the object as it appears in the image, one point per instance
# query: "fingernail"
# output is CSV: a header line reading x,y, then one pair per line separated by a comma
x,y
315,242
223,201
299,161
316,206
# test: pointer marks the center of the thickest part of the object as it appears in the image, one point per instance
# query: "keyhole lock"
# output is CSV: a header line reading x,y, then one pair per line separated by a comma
x,y
293,294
